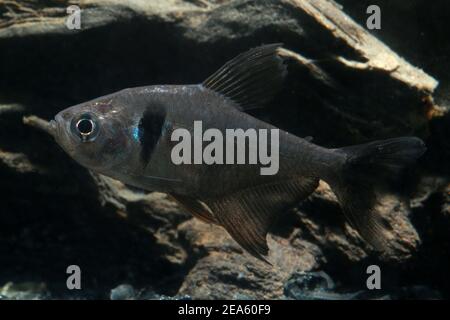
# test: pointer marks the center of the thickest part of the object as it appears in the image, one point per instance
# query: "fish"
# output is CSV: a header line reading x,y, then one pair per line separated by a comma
x,y
128,136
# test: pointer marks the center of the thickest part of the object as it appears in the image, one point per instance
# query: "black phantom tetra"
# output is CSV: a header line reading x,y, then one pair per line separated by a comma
x,y
127,136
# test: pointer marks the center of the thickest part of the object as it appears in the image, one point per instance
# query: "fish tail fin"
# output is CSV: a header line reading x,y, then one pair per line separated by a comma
x,y
364,174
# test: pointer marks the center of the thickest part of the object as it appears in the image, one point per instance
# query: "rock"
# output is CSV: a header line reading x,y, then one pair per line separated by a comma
x,y
123,292
224,271
24,291
321,218
319,286
128,292
446,206
314,286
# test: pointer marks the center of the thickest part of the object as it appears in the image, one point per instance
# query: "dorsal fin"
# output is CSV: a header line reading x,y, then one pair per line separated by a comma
x,y
248,214
251,79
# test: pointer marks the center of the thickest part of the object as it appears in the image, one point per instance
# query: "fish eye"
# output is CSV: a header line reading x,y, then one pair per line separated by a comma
x,y
85,127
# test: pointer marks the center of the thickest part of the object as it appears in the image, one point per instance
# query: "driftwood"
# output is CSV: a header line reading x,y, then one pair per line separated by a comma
x,y
361,66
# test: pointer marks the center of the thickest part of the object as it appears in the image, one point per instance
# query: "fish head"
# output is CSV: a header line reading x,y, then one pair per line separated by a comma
x,y
96,134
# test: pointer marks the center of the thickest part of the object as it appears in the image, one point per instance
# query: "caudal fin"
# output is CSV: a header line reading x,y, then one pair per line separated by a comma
x,y
363,177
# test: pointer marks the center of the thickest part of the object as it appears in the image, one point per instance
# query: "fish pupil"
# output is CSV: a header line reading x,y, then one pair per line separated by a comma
x,y
85,126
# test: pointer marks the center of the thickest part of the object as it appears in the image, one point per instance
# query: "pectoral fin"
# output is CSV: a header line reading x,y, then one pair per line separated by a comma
x,y
248,214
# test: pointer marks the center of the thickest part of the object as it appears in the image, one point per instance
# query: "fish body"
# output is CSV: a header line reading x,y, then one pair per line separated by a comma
x,y
135,159
128,135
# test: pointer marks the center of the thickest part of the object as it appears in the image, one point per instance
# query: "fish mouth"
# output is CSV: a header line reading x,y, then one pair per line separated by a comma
x,y
53,128
56,129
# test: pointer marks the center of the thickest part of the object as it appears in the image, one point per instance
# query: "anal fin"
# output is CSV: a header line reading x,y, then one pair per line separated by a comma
x,y
248,214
